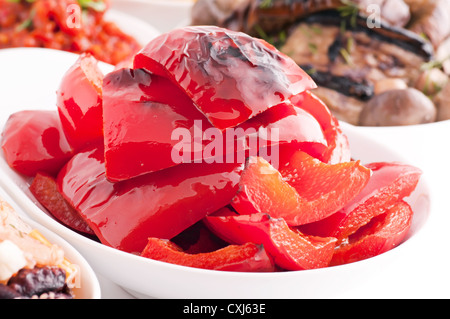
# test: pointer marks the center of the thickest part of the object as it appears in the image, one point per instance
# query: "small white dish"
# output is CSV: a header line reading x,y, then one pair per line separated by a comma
x,y
87,285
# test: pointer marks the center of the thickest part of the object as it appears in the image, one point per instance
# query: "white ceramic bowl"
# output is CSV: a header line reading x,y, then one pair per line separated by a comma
x,y
145,277
87,285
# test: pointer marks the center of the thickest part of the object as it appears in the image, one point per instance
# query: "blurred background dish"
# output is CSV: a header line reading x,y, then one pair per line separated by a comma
x,y
377,63
85,26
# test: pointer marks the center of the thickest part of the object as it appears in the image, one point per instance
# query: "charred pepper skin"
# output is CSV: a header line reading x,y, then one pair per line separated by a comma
x,y
217,67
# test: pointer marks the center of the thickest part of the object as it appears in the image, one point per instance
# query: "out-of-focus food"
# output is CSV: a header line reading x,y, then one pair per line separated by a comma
x,y
431,19
30,266
68,25
398,107
442,101
353,49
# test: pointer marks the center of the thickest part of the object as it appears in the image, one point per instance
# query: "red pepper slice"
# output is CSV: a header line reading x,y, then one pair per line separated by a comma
x,y
161,204
389,183
45,190
79,102
229,75
290,249
34,141
303,191
243,258
383,233
338,145
143,114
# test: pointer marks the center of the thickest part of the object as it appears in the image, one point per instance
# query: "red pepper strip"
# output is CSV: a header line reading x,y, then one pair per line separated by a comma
x,y
229,75
338,145
79,102
146,114
389,183
45,190
383,233
304,191
243,258
161,204
34,141
290,249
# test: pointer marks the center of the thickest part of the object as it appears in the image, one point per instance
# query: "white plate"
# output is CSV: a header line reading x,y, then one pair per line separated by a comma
x,y
87,285
37,72
141,30
164,15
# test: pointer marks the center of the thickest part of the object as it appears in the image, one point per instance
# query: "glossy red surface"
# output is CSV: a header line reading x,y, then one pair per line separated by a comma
x,y
146,116
161,204
230,76
243,258
390,183
34,141
383,233
79,102
289,249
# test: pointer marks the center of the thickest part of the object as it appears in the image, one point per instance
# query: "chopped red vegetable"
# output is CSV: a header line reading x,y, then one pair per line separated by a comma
x,y
243,258
230,76
79,102
303,191
146,114
381,234
290,249
338,145
160,204
45,190
389,183
209,151
34,141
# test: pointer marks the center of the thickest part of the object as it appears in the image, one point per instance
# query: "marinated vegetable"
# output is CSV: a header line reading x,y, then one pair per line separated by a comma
x,y
262,179
351,48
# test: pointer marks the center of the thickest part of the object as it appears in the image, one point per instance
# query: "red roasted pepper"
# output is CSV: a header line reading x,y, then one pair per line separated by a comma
x,y
34,141
303,191
290,249
161,204
383,233
79,102
230,76
243,258
390,183
338,145
45,190
143,114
